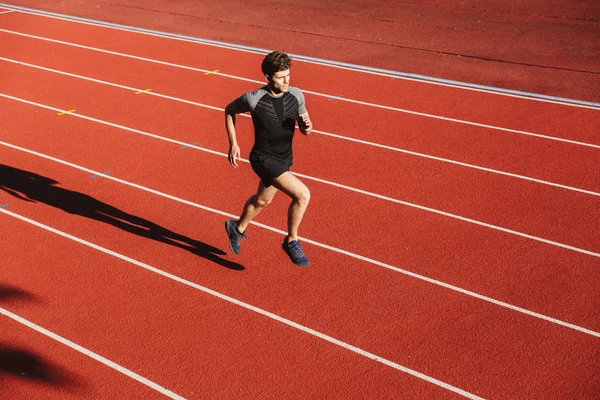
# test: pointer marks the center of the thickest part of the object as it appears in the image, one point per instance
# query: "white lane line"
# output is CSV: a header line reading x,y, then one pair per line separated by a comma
x,y
421,114
349,188
6,12
427,156
315,243
326,63
247,306
87,352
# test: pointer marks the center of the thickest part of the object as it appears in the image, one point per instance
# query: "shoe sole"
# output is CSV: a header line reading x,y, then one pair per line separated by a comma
x,y
228,230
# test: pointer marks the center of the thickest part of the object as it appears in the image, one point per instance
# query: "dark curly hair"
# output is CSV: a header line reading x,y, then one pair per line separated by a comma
x,y
274,62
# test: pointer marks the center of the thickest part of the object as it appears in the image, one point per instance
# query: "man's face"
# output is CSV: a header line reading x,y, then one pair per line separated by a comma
x,y
280,81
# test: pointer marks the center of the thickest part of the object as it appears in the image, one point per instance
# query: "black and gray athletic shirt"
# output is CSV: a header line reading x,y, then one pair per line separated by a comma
x,y
274,119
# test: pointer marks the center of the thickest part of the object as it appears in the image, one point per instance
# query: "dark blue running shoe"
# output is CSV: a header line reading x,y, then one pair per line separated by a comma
x,y
294,250
235,237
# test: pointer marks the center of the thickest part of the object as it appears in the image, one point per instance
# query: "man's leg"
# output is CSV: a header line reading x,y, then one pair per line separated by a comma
x,y
255,204
300,195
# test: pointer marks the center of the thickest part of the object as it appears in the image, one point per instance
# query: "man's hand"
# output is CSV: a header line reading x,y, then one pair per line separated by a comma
x,y
304,123
234,155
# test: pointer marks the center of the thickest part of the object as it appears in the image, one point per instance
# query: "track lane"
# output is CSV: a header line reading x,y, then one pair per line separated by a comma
x,y
33,365
419,96
397,321
497,200
452,252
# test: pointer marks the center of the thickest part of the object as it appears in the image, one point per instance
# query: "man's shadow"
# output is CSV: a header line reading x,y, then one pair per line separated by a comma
x,y
32,187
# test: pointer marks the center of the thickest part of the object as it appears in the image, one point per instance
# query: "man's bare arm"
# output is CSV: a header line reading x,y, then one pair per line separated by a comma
x,y
234,149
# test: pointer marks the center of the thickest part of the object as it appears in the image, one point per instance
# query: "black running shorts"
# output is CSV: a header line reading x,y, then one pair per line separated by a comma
x,y
268,168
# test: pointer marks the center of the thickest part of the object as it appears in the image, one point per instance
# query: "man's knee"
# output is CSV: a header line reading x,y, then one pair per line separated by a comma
x,y
303,197
261,202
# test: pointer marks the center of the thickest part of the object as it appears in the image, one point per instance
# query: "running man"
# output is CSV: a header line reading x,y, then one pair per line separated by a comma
x,y
275,108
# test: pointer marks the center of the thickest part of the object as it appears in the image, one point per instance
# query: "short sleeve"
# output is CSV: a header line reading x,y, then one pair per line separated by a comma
x,y
300,97
239,105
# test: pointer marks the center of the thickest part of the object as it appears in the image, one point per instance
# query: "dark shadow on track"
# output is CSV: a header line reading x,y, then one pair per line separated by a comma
x,y
29,186
24,364
12,293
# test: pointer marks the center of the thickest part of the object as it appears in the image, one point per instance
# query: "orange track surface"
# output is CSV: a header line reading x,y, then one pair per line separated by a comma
x,y
198,345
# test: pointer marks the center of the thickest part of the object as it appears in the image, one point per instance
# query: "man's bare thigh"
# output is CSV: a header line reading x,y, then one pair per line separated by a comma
x,y
290,185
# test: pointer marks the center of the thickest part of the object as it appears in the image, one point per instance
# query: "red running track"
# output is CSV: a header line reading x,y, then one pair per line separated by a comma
x,y
197,345
540,46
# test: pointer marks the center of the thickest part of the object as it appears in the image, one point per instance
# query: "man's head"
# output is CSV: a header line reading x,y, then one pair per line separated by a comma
x,y
276,67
